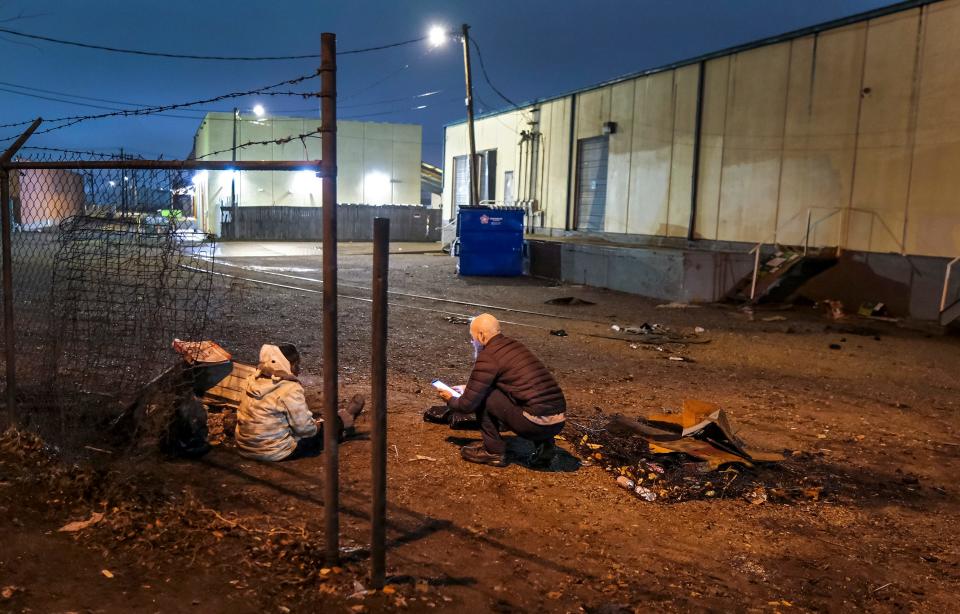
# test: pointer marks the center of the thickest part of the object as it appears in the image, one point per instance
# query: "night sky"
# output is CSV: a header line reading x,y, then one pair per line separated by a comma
x,y
532,49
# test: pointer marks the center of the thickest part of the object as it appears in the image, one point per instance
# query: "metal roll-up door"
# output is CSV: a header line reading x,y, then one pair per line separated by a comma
x,y
592,182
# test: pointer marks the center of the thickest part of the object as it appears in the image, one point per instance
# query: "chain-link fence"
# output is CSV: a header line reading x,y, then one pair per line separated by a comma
x,y
108,269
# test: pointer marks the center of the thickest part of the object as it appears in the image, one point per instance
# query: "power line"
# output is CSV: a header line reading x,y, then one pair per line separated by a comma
x,y
486,77
188,56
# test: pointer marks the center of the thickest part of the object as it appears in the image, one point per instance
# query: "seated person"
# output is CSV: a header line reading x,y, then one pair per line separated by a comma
x,y
509,388
273,420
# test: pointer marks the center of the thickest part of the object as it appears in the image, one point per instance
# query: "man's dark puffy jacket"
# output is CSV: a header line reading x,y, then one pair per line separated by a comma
x,y
507,364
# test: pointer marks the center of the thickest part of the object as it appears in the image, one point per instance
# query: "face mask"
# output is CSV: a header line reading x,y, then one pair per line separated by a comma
x,y
477,346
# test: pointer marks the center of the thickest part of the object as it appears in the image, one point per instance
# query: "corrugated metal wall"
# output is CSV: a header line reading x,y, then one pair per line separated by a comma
x,y
856,124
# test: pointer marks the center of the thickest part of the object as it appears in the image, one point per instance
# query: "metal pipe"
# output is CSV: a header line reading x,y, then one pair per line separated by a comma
x,y
328,129
9,337
123,188
468,75
233,179
16,145
173,165
806,236
573,148
378,398
946,283
6,249
697,144
756,270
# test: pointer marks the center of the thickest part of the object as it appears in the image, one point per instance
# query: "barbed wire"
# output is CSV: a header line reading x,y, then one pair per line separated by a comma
x,y
192,56
280,141
76,119
90,153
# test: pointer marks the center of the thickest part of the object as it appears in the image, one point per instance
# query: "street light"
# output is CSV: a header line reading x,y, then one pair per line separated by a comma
x,y
437,35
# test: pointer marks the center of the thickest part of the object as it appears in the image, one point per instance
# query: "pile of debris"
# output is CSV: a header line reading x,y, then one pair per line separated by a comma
x,y
689,455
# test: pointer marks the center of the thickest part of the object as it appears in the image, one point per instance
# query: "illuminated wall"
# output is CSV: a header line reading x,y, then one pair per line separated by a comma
x,y
854,126
378,164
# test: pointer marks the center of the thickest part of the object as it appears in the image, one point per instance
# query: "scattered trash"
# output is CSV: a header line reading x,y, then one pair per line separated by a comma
x,y
645,493
106,573
559,333
458,320
870,310
683,455
678,306
835,310
680,359
420,457
79,525
699,329
774,319
836,346
359,591
7,592
658,334
568,300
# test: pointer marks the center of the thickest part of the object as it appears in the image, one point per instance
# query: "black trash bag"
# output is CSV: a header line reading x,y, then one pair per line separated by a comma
x,y
441,414
186,434
438,414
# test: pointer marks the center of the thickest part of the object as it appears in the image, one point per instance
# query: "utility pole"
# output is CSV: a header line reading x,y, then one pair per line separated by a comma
x,y
233,180
474,172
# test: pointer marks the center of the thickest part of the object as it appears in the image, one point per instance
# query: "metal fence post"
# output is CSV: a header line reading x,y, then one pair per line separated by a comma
x,y
6,237
378,397
328,129
9,336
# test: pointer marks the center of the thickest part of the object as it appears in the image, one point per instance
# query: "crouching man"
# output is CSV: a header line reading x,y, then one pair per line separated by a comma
x,y
273,420
509,389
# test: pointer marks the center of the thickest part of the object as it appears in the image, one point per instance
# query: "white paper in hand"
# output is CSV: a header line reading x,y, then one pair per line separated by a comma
x,y
441,386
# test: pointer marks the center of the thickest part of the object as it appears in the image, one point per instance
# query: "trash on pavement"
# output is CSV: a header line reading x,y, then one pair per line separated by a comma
x,y
464,321
835,310
559,332
79,525
868,309
569,301
684,455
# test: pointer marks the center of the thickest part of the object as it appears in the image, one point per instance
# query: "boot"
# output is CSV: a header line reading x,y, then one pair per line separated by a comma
x,y
543,454
476,453
350,413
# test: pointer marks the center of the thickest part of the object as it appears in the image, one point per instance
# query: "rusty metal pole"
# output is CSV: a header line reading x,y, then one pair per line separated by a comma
x,y
6,238
331,452
468,76
378,398
9,337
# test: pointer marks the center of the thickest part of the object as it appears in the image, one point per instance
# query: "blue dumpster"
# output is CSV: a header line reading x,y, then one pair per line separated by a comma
x,y
491,241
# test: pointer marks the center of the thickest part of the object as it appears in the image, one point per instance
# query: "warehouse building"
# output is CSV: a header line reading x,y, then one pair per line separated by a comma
x,y
379,166
841,136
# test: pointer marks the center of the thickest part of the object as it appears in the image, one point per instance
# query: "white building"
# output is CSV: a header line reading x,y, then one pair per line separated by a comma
x,y
843,135
378,164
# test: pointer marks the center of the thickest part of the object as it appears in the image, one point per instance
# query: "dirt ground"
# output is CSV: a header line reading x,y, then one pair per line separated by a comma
x,y
228,534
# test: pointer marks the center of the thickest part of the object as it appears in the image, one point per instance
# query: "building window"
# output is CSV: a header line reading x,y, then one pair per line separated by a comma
x,y
487,171
508,198
461,181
